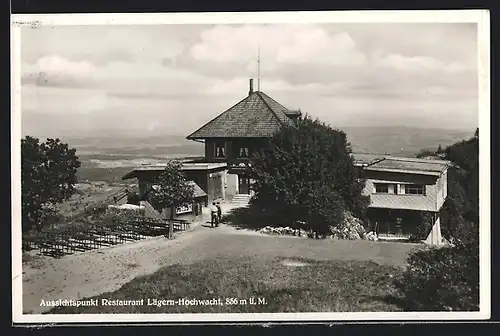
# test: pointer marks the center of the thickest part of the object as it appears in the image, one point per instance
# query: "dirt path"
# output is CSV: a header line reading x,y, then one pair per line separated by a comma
x,y
94,272
99,271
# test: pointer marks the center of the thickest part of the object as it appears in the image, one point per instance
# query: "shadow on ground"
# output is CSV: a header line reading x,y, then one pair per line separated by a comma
x,y
250,218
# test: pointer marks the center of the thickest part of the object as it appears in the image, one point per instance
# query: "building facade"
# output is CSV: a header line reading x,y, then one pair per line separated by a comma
x,y
208,178
403,192
233,136
229,141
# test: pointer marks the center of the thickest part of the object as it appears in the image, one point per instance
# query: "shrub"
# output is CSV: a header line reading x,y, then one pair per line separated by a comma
x,y
423,228
326,209
349,228
441,279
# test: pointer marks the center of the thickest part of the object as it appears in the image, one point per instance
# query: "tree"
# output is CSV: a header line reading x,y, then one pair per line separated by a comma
x,y
172,191
307,174
48,176
425,153
448,278
460,213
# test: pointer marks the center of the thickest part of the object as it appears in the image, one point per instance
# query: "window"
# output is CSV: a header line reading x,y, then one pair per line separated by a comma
x,y
244,152
381,188
414,189
386,188
220,150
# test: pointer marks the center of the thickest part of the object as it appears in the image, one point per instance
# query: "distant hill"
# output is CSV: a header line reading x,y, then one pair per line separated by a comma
x,y
393,140
405,141
108,157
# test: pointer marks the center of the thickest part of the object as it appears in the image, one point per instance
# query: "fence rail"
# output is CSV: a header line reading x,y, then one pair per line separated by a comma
x,y
73,240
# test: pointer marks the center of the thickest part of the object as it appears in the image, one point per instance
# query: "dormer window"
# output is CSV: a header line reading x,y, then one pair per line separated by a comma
x,y
220,150
244,153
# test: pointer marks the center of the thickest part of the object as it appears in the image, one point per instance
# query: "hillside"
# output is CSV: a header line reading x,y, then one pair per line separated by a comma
x,y
108,157
404,141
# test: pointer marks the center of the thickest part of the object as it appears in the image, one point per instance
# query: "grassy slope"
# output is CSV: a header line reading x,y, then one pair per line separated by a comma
x,y
346,276
321,286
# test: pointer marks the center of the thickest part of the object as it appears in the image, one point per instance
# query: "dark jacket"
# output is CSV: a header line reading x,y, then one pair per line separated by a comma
x,y
219,210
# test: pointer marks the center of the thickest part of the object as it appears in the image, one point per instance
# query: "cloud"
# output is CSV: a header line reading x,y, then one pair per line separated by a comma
x,y
54,70
316,46
177,78
280,45
100,45
117,77
418,63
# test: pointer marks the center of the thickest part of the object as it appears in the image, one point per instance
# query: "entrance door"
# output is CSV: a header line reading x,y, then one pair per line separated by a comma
x,y
243,185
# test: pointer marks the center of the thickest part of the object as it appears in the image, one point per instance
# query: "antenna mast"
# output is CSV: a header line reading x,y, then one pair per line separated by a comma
x,y
258,69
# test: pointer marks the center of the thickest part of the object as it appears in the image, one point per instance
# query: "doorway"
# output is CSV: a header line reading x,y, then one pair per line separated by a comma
x,y
243,185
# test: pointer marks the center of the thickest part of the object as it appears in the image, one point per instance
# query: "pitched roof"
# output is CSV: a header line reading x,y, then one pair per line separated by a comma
x,y
198,192
257,115
365,159
381,162
410,165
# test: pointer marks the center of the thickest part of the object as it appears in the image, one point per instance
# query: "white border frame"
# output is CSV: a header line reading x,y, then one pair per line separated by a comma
x,y
481,17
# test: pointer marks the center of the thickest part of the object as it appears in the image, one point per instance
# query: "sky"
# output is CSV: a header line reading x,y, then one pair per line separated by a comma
x,y
171,79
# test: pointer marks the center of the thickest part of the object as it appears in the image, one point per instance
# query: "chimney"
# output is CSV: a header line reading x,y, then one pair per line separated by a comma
x,y
251,87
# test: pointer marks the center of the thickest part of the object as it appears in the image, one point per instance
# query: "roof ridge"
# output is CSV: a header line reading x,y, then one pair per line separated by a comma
x,y
220,114
270,108
400,158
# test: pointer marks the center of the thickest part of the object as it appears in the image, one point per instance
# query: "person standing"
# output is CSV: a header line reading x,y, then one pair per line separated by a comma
x,y
213,211
219,213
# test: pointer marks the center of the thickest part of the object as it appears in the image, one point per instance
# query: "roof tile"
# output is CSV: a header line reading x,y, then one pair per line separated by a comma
x,y
257,115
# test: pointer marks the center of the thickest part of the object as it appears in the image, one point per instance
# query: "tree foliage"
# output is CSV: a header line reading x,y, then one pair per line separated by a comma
x,y
307,174
441,279
460,211
448,278
173,190
425,153
48,176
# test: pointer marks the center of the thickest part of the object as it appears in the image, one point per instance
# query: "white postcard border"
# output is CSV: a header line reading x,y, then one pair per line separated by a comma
x,y
481,17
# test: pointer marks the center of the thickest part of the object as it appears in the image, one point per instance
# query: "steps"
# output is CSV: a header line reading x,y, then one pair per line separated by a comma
x,y
241,200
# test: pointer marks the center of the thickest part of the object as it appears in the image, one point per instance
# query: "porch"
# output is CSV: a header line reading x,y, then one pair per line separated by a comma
x,y
394,224
403,224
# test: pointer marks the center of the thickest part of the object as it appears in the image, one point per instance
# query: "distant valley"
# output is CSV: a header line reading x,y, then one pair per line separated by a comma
x,y
108,157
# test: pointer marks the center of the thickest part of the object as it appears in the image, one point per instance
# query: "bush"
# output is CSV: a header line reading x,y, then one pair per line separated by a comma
x,y
423,228
441,279
349,228
326,209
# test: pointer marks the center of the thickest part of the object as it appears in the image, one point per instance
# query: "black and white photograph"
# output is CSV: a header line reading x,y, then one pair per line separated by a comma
x,y
212,167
